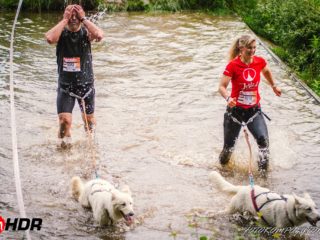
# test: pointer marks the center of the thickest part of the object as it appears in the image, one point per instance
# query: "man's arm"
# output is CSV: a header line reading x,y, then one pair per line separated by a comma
x,y
53,35
95,33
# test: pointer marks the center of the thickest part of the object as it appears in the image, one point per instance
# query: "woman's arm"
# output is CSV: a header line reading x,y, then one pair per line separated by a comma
x,y
268,75
224,82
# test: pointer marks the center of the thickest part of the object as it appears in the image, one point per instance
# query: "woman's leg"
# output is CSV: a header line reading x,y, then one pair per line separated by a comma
x,y
259,130
231,133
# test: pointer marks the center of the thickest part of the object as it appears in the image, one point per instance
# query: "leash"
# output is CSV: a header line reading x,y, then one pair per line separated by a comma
x,y
87,128
16,168
244,125
251,181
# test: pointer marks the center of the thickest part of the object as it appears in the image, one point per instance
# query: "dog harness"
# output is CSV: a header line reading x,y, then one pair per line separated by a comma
x,y
99,190
102,190
254,202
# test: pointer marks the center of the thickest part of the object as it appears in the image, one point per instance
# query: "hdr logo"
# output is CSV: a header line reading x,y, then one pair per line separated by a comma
x,y
20,224
2,224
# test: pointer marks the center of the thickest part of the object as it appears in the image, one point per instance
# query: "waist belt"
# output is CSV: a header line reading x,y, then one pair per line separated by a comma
x,y
75,95
256,110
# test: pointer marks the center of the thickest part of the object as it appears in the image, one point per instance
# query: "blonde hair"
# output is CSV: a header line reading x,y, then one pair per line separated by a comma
x,y
243,41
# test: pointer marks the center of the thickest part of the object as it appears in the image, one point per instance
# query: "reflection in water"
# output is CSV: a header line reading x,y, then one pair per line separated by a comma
x,y
159,126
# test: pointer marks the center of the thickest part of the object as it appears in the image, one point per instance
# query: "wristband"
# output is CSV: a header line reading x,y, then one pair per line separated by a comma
x,y
274,85
227,98
83,18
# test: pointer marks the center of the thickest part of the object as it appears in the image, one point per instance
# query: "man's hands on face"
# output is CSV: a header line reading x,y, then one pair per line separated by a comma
x,y
74,7
68,12
79,10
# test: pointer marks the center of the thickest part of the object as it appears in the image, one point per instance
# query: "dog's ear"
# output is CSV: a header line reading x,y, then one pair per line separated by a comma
x,y
113,196
297,200
307,196
126,189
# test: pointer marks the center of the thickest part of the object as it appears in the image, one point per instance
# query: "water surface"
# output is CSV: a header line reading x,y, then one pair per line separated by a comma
x,y
159,126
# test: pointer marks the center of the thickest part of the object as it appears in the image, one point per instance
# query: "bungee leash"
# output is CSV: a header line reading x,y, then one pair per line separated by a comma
x,y
251,181
89,129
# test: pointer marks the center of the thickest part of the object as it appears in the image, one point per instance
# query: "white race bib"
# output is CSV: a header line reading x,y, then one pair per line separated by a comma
x,y
71,64
247,97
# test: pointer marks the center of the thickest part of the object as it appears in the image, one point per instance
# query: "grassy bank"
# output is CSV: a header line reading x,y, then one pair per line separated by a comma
x,y
293,26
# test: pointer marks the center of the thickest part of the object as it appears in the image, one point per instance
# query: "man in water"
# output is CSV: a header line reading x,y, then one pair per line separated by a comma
x,y
73,35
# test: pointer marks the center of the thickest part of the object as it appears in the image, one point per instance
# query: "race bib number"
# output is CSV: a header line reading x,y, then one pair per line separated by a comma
x,y
71,64
248,97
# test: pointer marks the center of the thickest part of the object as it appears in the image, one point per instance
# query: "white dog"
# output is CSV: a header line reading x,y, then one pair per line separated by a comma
x,y
108,204
273,209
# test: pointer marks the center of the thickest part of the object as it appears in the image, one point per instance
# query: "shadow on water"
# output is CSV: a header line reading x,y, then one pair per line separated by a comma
x,y
159,128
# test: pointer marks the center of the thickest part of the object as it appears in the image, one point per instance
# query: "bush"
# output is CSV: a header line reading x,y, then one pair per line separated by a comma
x,y
293,25
135,5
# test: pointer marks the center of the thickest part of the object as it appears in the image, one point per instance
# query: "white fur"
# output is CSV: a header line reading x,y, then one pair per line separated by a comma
x,y
108,204
277,213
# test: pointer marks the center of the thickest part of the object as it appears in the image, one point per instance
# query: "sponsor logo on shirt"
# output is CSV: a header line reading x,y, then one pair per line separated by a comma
x,y
249,74
249,85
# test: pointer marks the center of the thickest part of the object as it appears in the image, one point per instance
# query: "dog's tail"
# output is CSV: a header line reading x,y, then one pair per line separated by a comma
x,y
222,184
77,187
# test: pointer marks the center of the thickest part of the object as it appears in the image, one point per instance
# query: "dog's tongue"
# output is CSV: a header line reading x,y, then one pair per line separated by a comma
x,y
312,222
129,220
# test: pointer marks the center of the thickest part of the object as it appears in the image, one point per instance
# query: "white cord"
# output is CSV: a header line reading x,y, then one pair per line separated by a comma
x,y
14,128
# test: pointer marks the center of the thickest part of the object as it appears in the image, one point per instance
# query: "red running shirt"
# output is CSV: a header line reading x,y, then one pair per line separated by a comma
x,y
245,80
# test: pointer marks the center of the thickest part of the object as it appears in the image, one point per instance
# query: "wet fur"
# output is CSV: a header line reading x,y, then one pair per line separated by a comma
x,y
108,204
277,213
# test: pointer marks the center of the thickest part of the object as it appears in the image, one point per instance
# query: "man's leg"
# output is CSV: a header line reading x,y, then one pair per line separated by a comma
x,y
89,104
90,121
259,130
65,104
231,133
65,121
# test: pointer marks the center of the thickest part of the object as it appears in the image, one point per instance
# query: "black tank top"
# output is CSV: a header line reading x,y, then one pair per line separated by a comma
x,y
74,59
